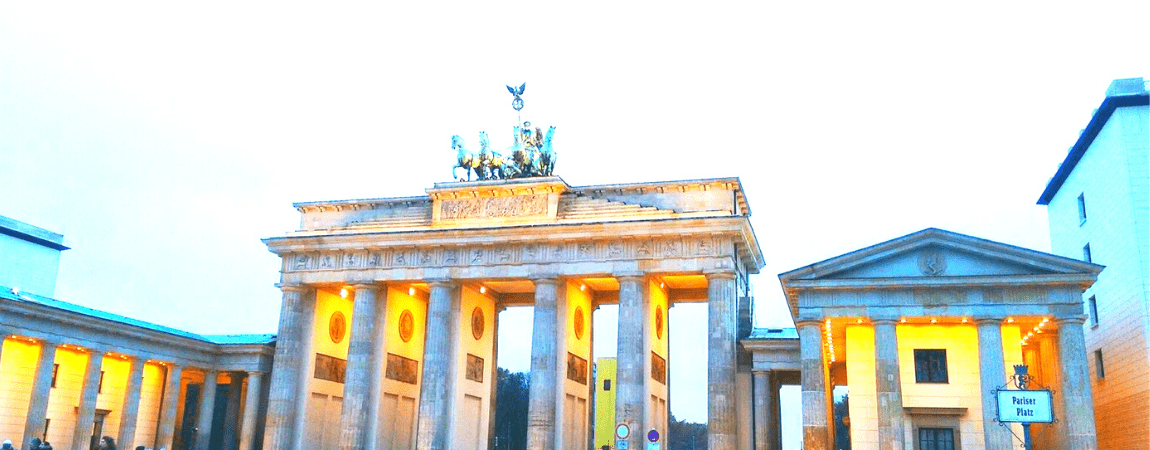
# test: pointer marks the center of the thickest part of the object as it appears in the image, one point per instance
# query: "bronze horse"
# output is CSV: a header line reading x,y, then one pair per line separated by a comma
x,y
464,159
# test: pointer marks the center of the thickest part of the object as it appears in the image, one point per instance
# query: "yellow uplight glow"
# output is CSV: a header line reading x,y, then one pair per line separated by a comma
x,y
343,292
410,291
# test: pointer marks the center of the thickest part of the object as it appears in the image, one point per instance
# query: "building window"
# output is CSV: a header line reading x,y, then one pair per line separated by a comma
x,y
1092,310
1099,366
936,439
606,385
930,366
1086,254
1081,208
55,371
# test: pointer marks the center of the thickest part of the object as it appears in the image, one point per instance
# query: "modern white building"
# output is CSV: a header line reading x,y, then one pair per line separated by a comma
x,y
29,257
1099,209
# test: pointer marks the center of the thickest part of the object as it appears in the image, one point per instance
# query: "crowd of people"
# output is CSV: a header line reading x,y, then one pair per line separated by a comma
x,y
106,443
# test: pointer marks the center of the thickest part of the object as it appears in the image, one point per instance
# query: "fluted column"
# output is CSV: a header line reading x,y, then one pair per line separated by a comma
x,y
86,413
631,367
296,312
541,406
762,409
207,410
360,399
41,389
251,410
992,375
437,392
722,421
888,384
814,385
166,429
130,410
1077,398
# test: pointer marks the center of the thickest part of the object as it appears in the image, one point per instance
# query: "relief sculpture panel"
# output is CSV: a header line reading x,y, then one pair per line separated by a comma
x,y
493,207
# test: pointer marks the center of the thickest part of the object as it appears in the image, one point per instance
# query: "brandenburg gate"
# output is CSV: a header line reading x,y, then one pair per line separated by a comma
x,y
387,335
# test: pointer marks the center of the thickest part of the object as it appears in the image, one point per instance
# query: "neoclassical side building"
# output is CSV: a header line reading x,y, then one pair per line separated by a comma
x,y
70,374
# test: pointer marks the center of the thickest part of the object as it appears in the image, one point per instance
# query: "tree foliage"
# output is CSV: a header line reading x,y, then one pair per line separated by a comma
x,y
511,401
685,435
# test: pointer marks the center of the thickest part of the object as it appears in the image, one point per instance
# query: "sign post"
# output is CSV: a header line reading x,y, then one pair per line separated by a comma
x,y
1024,405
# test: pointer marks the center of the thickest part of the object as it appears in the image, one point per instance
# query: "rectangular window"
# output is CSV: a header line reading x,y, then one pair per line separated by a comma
x,y
1099,366
936,439
1086,254
606,385
930,366
1092,310
1081,208
55,371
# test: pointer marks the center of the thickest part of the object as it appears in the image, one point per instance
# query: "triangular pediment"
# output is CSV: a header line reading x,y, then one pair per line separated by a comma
x,y
934,254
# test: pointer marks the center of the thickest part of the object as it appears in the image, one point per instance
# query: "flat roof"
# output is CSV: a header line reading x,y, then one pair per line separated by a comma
x,y
31,233
227,339
1121,93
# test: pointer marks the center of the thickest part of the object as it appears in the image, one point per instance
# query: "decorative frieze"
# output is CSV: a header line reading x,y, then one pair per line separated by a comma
x,y
517,206
494,255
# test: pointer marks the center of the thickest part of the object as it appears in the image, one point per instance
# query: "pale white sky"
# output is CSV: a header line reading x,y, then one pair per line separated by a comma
x,y
165,140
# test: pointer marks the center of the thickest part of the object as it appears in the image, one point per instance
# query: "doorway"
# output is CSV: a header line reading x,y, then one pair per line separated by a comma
x,y
98,428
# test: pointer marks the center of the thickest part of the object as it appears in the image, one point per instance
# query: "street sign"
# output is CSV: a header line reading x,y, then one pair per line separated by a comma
x,y
1025,406
621,444
653,436
622,431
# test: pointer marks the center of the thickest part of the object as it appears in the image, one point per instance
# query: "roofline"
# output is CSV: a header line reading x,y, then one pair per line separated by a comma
x,y
31,233
1087,138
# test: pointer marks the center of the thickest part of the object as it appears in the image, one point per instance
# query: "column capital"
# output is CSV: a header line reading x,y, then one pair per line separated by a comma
x,y
725,274
1073,320
441,282
545,279
808,322
989,320
884,321
630,276
254,373
293,287
361,285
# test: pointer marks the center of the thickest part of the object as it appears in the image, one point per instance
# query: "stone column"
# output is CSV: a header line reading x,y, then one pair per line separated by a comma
x,y
631,367
41,389
775,430
722,419
992,375
541,406
814,385
437,391
207,410
166,428
888,384
360,398
86,412
232,411
130,410
1077,399
762,403
296,312
251,410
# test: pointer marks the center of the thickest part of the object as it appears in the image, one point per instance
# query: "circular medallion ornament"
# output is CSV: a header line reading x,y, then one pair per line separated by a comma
x,y
659,323
579,322
932,263
337,327
406,325
477,323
